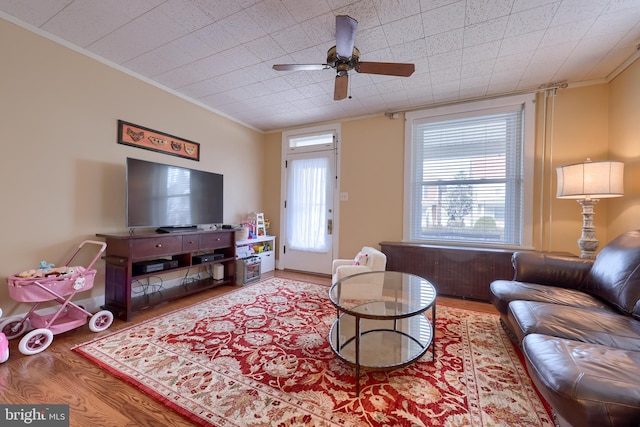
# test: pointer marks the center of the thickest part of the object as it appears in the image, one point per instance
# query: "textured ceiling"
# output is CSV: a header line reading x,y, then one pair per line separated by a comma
x,y
220,53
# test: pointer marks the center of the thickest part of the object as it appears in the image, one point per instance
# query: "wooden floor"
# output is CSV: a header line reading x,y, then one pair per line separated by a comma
x,y
59,375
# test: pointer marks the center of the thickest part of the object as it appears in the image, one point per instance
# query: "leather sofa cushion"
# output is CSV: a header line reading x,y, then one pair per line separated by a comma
x,y
587,325
615,274
586,384
505,291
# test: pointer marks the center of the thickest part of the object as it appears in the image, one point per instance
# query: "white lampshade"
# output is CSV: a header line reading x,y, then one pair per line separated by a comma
x,y
590,180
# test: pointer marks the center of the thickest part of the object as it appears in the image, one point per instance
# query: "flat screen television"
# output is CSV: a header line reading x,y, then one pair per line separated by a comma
x,y
172,198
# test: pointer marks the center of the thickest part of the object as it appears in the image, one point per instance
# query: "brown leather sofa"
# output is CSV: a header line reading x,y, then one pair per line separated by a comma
x,y
578,324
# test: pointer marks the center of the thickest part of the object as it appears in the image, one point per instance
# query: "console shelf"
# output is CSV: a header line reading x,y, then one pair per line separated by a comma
x,y
152,299
125,250
267,258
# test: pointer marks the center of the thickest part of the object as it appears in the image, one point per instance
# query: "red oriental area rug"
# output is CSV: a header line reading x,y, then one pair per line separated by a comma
x,y
259,356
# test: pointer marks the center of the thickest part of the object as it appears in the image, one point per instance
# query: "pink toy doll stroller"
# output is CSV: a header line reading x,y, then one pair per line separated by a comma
x,y
58,284
4,345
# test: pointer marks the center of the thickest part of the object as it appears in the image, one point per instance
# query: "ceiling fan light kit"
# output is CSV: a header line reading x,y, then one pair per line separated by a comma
x,y
344,57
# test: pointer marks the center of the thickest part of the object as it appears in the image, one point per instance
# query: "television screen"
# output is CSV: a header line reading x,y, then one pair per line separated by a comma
x,y
160,195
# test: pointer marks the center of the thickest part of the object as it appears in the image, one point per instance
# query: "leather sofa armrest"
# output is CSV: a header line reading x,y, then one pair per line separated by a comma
x,y
549,269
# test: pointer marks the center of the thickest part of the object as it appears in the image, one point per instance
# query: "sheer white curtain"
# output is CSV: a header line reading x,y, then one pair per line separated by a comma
x,y
307,204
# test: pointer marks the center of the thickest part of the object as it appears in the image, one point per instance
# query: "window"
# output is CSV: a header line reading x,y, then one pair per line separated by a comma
x,y
469,173
325,140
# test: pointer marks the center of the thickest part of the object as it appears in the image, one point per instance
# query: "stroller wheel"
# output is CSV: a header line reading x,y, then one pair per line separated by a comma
x,y
35,341
14,327
101,321
4,348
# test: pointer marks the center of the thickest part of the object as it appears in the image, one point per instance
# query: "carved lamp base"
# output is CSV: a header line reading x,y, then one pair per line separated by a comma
x,y
588,243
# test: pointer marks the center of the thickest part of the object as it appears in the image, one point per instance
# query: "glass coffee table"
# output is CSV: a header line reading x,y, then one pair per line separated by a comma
x,y
381,321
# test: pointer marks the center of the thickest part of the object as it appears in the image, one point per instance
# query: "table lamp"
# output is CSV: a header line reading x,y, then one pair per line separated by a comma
x,y
588,182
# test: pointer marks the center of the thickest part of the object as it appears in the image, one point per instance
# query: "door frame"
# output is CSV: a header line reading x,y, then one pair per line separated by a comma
x,y
330,127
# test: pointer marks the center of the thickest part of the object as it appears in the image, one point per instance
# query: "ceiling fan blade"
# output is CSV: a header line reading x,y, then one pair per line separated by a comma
x,y
386,68
300,67
341,89
345,35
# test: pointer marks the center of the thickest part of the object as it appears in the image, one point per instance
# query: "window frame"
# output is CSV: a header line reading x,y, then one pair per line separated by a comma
x,y
333,129
471,109
287,150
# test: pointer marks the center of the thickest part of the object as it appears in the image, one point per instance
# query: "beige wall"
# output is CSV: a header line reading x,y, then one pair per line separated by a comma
x,y
624,145
62,174
600,122
271,182
371,172
578,130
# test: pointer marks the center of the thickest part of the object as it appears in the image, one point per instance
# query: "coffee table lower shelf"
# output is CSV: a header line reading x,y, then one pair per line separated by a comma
x,y
381,344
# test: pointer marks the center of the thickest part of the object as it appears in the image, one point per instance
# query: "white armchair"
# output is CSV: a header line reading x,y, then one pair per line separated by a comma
x,y
368,259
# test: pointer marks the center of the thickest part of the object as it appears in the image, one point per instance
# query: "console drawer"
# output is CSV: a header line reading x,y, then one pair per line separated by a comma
x,y
190,243
215,240
157,246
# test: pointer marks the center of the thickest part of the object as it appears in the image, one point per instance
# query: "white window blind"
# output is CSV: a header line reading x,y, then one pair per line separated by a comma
x,y
468,177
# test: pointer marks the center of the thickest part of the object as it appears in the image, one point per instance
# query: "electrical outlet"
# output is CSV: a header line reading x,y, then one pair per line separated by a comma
x,y
344,196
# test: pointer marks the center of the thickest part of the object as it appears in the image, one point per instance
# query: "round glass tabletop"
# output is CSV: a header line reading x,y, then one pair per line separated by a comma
x,y
382,295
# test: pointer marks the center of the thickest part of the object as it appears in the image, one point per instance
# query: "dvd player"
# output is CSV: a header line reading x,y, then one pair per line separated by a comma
x,y
201,259
144,267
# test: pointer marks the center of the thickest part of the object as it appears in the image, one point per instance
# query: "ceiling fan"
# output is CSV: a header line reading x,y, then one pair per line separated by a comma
x,y
344,57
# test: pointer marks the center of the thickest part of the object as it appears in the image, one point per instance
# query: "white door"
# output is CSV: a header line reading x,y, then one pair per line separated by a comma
x,y
307,242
